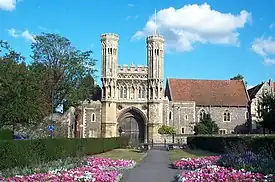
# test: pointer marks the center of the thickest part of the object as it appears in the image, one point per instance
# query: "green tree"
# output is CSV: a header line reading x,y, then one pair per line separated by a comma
x,y
206,126
22,100
266,112
166,130
66,69
238,77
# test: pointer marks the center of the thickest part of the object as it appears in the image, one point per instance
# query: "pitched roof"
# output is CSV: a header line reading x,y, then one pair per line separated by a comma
x,y
209,92
254,90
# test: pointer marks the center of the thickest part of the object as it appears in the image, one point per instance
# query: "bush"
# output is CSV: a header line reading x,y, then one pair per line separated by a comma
x,y
5,134
30,152
227,144
166,130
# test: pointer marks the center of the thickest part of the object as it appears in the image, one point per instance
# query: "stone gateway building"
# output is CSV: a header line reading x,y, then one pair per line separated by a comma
x,y
135,101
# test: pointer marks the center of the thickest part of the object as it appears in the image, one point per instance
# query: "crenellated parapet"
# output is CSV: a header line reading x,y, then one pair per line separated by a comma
x,y
132,69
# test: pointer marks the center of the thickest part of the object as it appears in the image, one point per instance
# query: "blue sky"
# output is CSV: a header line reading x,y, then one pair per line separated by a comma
x,y
213,39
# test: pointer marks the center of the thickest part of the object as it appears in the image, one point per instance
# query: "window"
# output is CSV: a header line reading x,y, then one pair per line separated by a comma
x,y
125,92
109,91
170,115
121,92
203,115
93,117
139,92
226,116
186,117
222,131
132,92
103,92
143,92
182,130
246,115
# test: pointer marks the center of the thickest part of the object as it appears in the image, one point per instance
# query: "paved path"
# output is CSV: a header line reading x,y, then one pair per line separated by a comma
x,y
153,168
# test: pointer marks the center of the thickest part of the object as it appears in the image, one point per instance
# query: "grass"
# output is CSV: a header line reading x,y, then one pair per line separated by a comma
x,y
127,154
178,154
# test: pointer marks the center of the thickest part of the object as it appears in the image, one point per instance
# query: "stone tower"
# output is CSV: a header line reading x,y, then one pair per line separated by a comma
x,y
155,57
109,52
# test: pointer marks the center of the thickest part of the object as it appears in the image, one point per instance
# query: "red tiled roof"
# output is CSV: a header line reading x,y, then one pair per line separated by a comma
x,y
209,92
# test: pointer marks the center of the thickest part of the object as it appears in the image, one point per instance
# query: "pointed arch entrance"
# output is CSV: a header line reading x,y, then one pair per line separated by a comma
x,y
132,122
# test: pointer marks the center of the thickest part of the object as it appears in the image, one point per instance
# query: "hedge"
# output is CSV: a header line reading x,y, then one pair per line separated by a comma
x,y
225,144
5,134
28,152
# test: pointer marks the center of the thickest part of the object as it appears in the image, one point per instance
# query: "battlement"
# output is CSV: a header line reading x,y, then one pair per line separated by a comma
x,y
109,36
132,68
155,38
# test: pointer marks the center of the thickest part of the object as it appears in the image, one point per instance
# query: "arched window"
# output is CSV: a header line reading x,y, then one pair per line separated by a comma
x,y
103,92
109,91
132,92
125,92
121,92
93,118
202,114
139,92
186,117
170,115
143,92
226,116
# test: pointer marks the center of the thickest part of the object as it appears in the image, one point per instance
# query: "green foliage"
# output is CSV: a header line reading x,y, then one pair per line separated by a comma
x,y
166,130
22,100
206,126
5,134
227,144
242,128
266,111
238,77
22,153
67,73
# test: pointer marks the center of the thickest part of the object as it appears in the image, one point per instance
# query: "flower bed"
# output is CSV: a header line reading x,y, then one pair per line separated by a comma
x,y
228,167
96,169
221,174
195,163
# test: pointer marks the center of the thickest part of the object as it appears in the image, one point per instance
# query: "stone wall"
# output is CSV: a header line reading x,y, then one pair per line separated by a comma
x,y
238,116
91,119
182,117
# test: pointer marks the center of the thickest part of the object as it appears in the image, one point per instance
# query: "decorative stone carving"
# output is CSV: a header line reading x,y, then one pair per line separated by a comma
x,y
119,107
144,107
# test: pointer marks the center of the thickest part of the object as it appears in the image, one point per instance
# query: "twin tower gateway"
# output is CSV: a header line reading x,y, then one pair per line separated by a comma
x,y
132,96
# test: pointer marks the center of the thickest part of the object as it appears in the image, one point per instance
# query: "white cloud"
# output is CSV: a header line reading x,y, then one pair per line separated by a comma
x,y
25,34
183,28
265,47
8,5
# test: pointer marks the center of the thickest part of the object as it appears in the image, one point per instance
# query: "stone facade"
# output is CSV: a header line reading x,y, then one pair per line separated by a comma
x,y
130,91
255,95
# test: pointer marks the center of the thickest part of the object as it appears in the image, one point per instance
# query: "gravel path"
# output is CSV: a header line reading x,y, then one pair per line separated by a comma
x,y
153,168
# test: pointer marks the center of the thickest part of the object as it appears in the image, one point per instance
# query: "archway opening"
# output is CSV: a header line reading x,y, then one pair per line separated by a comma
x,y
132,125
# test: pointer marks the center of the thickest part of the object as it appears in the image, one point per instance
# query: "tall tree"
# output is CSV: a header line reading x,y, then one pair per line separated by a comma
x,y
21,97
206,126
238,77
266,112
66,68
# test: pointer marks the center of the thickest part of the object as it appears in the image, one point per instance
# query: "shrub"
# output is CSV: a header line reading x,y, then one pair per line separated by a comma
x,y
5,134
227,144
30,152
166,130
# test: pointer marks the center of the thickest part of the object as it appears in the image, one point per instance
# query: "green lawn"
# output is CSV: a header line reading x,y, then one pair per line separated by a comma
x,y
127,154
178,154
